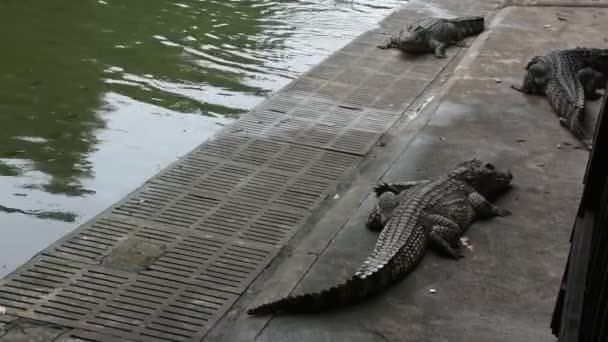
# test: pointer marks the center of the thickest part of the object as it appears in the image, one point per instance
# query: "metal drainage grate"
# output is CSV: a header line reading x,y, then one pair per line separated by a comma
x,y
199,257
392,88
136,307
319,124
166,262
78,335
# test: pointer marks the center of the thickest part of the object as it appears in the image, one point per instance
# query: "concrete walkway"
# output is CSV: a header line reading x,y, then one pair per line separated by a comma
x,y
277,203
505,288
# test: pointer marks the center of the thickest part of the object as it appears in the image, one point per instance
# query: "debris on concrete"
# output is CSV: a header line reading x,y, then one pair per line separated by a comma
x,y
2,310
467,243
432,291
336,196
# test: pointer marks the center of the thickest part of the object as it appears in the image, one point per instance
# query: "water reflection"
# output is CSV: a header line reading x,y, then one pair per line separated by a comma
x,y
97,95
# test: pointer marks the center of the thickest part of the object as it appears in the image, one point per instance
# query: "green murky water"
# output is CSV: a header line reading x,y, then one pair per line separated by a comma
x,y
96,96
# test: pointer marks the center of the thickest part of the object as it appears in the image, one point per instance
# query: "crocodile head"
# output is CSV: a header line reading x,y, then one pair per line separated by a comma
x,y
412,40
539,73
484,177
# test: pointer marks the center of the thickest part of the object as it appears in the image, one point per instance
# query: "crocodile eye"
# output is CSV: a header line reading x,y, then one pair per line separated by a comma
x,y
489,166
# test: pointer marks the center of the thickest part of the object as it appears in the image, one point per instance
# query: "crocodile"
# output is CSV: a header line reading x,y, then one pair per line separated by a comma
x,y
568,77
434,34
431,213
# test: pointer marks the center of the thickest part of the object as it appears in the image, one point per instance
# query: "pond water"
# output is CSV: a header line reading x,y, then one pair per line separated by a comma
x,y
97,96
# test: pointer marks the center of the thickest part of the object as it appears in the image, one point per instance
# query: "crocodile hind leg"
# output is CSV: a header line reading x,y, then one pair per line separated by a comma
x,y
444,236
382,211
441,245
577,130
591,81
457,38
396,187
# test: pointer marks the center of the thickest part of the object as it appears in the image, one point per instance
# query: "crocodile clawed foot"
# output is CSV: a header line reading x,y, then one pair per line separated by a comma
x,y
382,188
458,254
502,212
516,87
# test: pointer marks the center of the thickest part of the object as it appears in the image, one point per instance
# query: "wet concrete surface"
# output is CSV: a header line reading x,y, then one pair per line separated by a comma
x,y
505,288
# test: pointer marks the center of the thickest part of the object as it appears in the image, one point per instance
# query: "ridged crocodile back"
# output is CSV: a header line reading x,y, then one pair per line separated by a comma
x,y
594,58
469,26
424,25
402,232
400,247
565,91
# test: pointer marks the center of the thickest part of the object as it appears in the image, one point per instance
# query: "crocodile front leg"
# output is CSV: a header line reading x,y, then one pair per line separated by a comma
x,y
387,43
396,187
444,235
438,47
484,208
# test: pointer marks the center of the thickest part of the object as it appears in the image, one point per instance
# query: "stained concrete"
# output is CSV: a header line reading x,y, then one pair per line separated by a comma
x,y
30,331
503,290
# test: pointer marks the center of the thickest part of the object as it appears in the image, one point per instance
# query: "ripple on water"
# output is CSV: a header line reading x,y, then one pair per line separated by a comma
x,y
97,96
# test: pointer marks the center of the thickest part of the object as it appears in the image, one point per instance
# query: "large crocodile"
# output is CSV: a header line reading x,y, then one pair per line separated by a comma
x,y
568,77
434,34
433,212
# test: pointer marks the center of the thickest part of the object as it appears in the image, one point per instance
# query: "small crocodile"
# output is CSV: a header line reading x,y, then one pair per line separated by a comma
x,y
426,213
568,77
434,34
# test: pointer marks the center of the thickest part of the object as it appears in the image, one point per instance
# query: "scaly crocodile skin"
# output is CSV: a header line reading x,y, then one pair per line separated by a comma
x,y
434,212
434,34
567,78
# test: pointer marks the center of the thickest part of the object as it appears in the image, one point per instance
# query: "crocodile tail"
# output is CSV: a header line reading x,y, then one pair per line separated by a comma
x,y
352,291
469,26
